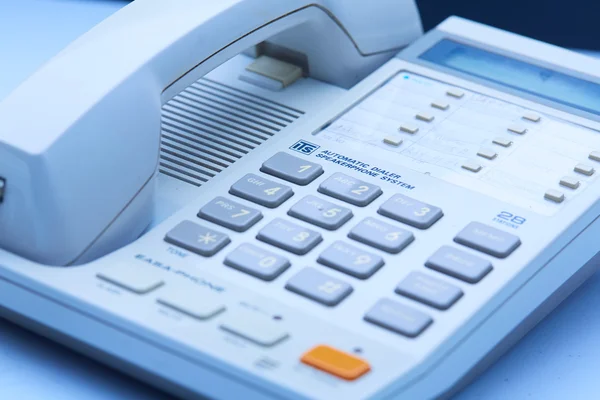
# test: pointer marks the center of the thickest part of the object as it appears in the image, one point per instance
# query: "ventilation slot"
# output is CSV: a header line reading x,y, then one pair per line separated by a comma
x,y
209,126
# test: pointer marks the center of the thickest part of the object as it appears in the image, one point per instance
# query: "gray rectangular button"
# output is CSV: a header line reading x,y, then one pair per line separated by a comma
x,y
351,260
257,262
410,211
292,169
319,287
398,318
320,212
197,238
261,191
429,290
459,264
348,189
487,239
381,235
230,214
289,236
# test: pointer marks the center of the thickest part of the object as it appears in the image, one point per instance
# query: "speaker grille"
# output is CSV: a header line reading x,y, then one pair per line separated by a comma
x,y
209,126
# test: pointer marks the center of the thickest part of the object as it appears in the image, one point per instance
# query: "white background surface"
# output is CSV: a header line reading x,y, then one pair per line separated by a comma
x,y
559,359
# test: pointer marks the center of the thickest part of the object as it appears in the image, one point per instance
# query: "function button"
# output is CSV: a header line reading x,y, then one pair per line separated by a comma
x,y
488,239
502,142
320,212
351,260
410,211
570,182
381,235
289,236
428,290
257,262
440,105
134,278
471,166
348,189
195,304
197,238
261,191
319,287
457,93
292,169
409,128
336,362
398,318
531,116
554,195
594,156
425,116
584,169
392,141
459,264
230,214
516,128
257,328
487,153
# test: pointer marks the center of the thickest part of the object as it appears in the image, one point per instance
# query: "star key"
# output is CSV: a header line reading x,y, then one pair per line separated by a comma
x,y
197,238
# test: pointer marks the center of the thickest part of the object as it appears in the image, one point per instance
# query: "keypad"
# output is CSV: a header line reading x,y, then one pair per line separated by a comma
x,y
230,214
429,290
487,239
320,212
350,190
292,169
261,191
400,312
398,318
459,264
257,262
289,236
381,235
351,260
197,238
319,287
410,211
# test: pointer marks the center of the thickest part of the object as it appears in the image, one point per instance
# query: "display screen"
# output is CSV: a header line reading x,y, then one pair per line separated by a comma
x,y
543,82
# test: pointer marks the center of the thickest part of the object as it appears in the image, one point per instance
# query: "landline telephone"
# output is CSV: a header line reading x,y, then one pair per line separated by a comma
x,y
280,199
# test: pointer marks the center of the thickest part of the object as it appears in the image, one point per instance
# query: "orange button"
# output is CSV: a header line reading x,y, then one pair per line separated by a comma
x,y
336,362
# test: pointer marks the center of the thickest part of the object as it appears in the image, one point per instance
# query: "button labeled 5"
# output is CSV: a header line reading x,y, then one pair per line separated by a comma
x,y
320,212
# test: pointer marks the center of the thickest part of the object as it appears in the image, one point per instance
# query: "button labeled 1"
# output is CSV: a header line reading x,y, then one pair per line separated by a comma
x,y
410,211
348,189
230,214
292,169
320,212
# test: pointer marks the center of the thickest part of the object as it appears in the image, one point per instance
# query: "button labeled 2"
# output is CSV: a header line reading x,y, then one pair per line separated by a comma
x,y
348,189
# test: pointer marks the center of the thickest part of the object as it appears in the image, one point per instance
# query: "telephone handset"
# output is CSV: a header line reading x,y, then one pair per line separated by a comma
x,y
79,140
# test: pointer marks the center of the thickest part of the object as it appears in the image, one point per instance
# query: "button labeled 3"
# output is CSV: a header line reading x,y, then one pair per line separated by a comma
x,y
410,211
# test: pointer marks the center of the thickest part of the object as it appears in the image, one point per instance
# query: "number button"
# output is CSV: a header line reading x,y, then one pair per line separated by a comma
x,y
292,169
230,214
257,262
350,260
348,189
320,213
261,191
289,236
381,235
410,211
